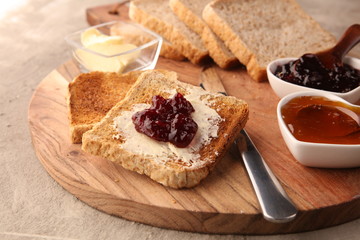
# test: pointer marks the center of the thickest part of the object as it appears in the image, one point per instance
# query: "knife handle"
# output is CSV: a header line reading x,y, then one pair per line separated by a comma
x,y
274,203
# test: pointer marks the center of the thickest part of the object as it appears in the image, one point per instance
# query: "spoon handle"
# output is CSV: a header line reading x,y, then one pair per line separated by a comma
x,y
349,39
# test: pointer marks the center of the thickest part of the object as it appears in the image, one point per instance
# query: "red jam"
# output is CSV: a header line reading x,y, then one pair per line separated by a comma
x,y
308,71
167,120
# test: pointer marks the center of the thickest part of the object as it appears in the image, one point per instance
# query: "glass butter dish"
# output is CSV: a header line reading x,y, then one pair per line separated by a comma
x,y
116,46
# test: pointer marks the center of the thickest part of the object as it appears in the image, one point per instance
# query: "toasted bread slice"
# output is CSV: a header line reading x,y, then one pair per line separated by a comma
x,y
220,118
260,31
158,17
92,95
190,12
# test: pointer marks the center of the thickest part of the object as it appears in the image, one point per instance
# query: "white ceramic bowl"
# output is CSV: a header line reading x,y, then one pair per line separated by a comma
x,y
318,154
147,51
283,88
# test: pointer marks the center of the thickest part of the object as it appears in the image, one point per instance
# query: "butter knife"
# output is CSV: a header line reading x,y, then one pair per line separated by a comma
x,y
275,205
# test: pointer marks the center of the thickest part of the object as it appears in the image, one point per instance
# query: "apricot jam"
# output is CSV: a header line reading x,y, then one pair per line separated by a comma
x,y
308,71
320,120
167,120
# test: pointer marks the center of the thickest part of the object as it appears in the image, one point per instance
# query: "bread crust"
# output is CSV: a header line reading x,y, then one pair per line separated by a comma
x,y
222,57
217,49
169,51
241,50
77,131
100,141
169,32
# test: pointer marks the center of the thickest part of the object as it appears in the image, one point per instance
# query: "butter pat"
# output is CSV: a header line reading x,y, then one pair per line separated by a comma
x,y
92,36
104,52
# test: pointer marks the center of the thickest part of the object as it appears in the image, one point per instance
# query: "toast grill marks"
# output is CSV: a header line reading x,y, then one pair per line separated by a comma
x,y
100,140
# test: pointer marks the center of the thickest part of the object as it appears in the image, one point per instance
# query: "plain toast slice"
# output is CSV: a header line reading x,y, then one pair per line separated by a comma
x,y
190,12
116,139
92,95
158,17
260,31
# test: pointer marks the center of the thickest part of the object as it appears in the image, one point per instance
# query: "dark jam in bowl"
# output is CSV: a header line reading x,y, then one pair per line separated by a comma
x,y
308,71
167,120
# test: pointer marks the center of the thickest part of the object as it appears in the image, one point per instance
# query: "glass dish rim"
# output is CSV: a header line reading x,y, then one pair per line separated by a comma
x,y
158,39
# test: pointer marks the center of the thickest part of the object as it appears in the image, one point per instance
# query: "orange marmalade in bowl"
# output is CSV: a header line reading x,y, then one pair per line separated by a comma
x,y
321,120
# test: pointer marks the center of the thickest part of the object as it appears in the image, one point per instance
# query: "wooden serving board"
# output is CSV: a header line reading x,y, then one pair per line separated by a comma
x,y
224,202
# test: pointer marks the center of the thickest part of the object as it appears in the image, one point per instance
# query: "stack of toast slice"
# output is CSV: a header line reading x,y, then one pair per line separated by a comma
x,y
157,16
190,12
252,32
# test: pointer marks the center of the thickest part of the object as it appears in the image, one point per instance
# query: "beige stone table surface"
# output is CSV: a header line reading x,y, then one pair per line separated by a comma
x,y
32,204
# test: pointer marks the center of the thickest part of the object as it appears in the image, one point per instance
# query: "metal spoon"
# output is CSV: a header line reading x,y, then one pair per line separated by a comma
x,y
275,204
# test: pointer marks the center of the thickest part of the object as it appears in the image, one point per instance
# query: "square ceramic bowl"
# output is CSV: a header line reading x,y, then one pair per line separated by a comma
x,y
283,88
100,48
321,155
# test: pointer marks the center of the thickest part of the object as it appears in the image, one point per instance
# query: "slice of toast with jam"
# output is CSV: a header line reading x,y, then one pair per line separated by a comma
x,y
219,119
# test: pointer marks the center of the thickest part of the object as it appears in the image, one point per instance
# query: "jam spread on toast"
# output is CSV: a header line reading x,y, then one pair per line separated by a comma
x,y
308,71
167,120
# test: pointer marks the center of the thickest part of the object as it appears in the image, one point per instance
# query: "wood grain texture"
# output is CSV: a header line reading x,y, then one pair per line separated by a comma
x,y
224,202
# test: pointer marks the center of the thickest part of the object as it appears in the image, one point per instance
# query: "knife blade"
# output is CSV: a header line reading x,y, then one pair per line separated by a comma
x,y
275,204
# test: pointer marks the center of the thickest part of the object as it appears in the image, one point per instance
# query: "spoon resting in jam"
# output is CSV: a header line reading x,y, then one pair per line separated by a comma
x,y
325,70
333,57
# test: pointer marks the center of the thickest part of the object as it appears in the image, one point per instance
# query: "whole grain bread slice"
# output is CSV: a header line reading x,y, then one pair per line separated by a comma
x,y
170,167
158,17
260,31
92,95
190,12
